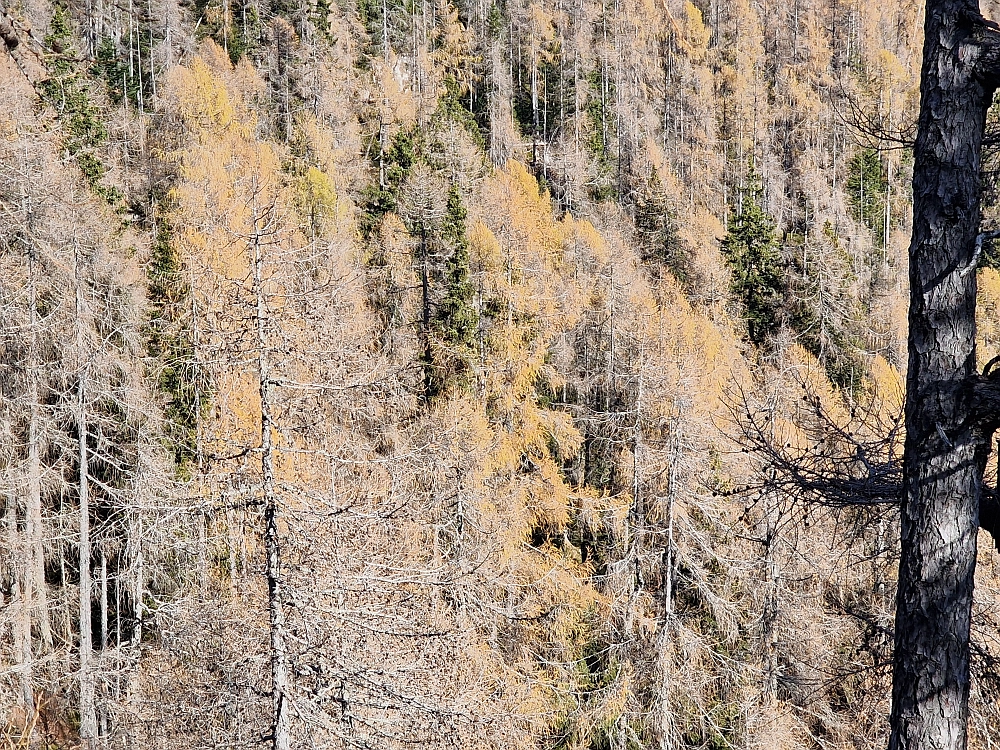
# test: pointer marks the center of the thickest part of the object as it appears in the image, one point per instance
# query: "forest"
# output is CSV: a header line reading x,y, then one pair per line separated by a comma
x,y
460,373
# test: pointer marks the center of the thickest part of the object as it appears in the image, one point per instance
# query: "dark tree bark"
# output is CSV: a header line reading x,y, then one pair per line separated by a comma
x,y
947,441
951,412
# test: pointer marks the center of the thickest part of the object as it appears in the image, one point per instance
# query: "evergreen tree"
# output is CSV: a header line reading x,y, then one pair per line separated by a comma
x,y
170,340
867,189
657,230
751,249
457,317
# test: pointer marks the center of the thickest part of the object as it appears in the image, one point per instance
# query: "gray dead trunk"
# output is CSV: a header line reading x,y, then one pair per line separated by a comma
x,y
88,715
281,726
35,527
18,607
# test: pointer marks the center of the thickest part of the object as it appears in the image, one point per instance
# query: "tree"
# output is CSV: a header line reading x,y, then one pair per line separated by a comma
x,y
751,249
263,233
950,411
867,189
457,316
422,205
656,227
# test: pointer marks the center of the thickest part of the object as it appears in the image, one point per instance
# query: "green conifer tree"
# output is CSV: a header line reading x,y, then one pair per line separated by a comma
x,y
867,189
457,317
170,342
657,231
751,249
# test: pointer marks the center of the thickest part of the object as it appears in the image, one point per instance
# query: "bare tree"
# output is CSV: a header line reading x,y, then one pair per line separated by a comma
x,y
88,716
264,220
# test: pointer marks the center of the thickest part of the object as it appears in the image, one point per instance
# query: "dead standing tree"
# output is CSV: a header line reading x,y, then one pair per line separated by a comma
x,y
264,232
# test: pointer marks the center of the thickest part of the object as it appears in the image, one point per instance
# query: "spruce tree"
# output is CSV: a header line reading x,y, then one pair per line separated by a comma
x,y
657,231
458,320
750,247
867,189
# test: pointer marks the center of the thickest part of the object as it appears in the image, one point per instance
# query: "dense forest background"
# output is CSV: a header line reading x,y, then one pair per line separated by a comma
x,y
419,354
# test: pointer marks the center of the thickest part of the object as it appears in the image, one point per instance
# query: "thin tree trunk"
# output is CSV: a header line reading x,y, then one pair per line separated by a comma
x,y
425,315
21,614
91,31
67,619
534,108
231,544
35,529
88,716
385,32
637,512
666,717
673,480
202,550
104,630
139,576
152,67
279,659
203,520
104,600
769,615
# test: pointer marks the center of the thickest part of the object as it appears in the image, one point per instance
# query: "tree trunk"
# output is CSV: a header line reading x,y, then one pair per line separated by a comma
x,y
88,716
203,520
231,549
945,449
280,729
138,586
20,613
34,510
426,355
104,600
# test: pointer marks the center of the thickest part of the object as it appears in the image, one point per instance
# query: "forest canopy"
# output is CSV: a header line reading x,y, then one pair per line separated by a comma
x,y
380,374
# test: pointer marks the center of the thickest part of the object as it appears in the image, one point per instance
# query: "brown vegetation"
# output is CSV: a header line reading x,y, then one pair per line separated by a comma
x,y
373,374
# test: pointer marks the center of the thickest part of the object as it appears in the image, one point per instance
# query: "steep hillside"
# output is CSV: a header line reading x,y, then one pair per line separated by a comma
x,y
407,361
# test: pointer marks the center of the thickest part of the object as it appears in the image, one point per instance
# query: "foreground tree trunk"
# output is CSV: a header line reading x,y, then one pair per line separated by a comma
x,y
947,442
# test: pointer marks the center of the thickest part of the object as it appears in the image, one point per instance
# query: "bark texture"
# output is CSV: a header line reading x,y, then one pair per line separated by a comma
x,y
946,445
